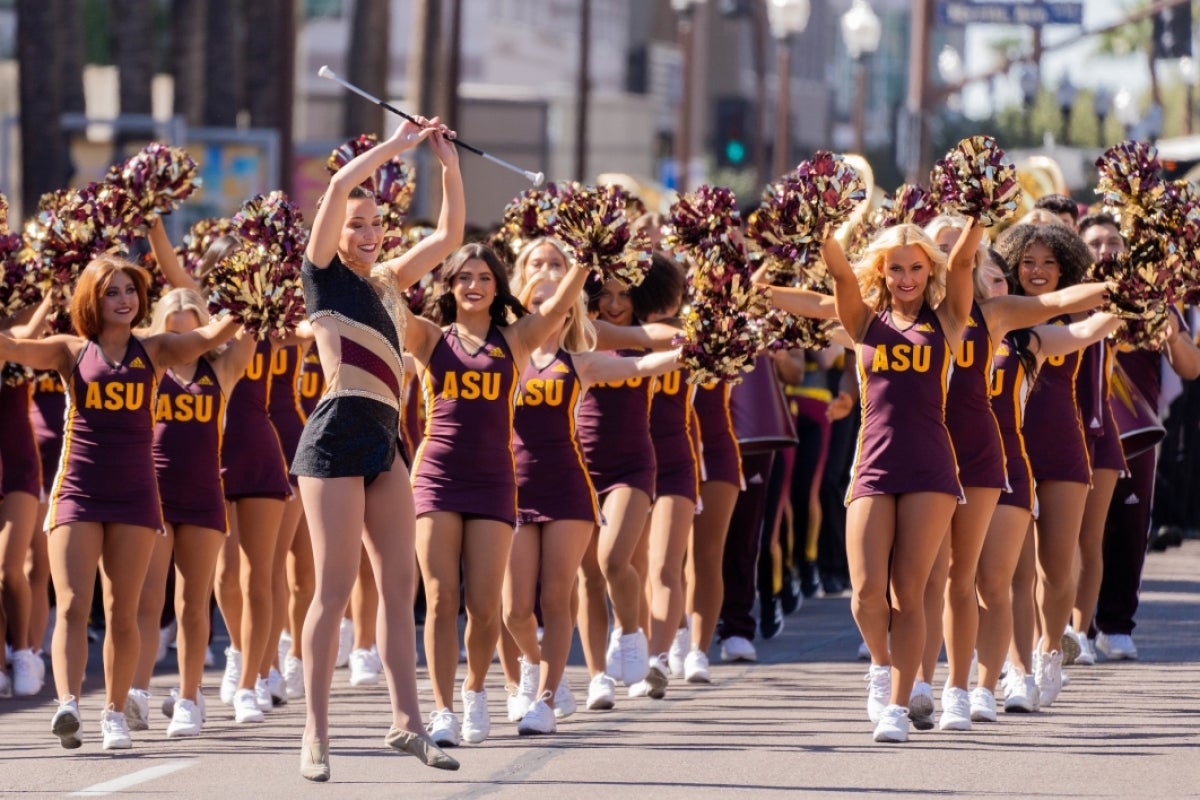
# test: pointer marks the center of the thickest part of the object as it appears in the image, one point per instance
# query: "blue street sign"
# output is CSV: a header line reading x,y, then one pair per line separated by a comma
x,y
998,12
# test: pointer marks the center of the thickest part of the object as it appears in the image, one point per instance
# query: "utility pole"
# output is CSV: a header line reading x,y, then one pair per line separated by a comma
x,y
583,90
920,38
422,73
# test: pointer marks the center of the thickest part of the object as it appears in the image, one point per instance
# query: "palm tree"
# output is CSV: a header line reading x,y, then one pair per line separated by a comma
x,y
135,36
187,58
43,149
222,64
367,67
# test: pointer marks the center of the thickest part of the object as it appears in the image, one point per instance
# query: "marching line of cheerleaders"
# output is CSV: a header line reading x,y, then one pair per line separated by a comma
x,y
567,475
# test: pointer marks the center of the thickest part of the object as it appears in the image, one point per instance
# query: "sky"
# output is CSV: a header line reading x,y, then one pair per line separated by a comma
x,y
1078,61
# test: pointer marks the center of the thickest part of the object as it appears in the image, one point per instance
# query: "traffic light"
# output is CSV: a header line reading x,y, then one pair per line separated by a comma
x,y
731,143
1173,32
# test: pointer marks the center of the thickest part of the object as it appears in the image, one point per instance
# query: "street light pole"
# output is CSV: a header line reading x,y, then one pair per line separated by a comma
x,y
685,9
920,48
861,32
787,18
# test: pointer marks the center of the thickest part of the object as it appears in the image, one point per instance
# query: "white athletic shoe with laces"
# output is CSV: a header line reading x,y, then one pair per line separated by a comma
x,y
680,645
66,724
635,657
920,705
115,730
879,692
476,722
29,672
983,705
612,655
232,676
602,693
443,728
293,677
956,710
524,693
893,724
245,707
364,667
187,719
695,667
564,700
137,710
539,719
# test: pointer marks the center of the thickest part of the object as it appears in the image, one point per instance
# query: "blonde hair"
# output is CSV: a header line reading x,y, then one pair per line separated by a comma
x,y
179,300
526,252
1041,216
952,222
578,333
870,267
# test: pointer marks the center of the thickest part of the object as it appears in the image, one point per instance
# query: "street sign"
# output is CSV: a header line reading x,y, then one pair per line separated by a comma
x,y
998,12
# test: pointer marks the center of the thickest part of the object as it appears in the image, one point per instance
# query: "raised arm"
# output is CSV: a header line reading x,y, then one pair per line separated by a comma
x,y
852,310
1181,352
805,302
164,256
1013,311
169,349
1060,340
231,364
327,225
527,333
960,280
648,336
31,323
604,368
433,249
52,353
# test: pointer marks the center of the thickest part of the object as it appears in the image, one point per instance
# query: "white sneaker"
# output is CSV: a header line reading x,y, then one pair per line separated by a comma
x,y
564,700
695,667
285,645
893,724
983,705
602,693
920,705
345,643
277,688
1116,646
1017,699
738,648
612,656
66,724
476,722
525,693
245,707
165,637
115,730
635,657
680,646
443,728
27,677
293,677
364,670
262,694
232,676
5,686
137,710
1049,677
956,710
539,719
879,692
1087,650
168,704
654,685
187,718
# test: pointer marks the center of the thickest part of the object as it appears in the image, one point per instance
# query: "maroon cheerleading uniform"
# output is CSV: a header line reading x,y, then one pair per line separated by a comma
x,y
252,460
311,384
1053,427
1095,403
283,401
903,443
107,469
614,431
20,464
188,419
47,411
973,427
465,462
552,478
677,472
1009,390
720,457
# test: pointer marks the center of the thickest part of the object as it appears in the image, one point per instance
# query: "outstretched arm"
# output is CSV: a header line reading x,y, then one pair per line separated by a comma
x,y
169,349
527,333
804,302
233,361
647,336
852,310
1060,340
603,368
164,256
1013,311
433,249
960,279
327,225
52,353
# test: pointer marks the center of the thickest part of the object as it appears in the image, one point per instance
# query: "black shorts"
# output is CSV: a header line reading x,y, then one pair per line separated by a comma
x,y
349,436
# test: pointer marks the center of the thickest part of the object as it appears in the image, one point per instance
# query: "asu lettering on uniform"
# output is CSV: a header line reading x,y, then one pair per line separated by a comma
x,y
901,358
184,408
669,384
628,383
471,385
542,391
255,370
115,396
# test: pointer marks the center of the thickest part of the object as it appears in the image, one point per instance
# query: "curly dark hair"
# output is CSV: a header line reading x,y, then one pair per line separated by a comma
x,y
1069,251
1059,204
662,288
445,309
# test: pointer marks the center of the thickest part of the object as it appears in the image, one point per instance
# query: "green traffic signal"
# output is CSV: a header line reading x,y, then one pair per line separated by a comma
x,y
735,151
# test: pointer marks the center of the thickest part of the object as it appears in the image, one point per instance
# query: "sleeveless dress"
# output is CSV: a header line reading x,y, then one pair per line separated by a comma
x,y
903,443
1095,404
354,429
720,458
1009,390
311,383
188,420
1054,433
678,472
107,467
252,461
552,478
20,464
973,427
465,462
283,403
614,431
47,413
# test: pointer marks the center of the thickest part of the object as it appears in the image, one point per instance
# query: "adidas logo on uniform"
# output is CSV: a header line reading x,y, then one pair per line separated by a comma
x,y
924,327
137,363
560,368
205,381
496,352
